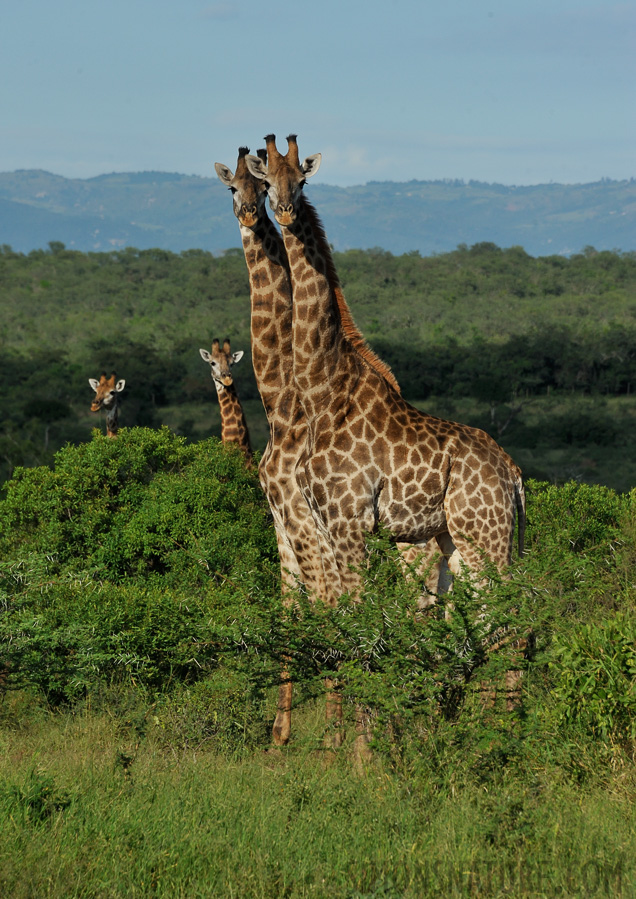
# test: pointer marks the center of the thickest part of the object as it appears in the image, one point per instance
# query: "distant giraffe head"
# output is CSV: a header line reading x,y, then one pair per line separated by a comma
x,y
107,391
221,360
288,177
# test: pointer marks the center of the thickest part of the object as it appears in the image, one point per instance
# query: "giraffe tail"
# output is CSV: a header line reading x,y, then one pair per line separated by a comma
x,y
520,502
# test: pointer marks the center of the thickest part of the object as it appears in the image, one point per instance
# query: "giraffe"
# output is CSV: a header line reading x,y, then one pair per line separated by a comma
x,y
305,552
372,458
107,391
233,424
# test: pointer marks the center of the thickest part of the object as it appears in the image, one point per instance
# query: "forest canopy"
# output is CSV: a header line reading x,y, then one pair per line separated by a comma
x,y
539,351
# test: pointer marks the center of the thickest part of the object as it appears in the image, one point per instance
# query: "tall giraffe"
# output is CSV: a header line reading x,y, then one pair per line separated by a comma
x,y
107,396
233,424
303,544
305,554
373,458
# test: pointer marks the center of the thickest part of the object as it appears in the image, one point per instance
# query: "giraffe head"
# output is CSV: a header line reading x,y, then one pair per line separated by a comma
x,y
106,390
248,193
221,360
284,177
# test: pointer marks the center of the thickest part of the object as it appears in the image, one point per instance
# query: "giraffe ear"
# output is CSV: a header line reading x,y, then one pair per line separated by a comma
x,y
94,383
256,167
311,165
119,386
237,356
225,175
205,355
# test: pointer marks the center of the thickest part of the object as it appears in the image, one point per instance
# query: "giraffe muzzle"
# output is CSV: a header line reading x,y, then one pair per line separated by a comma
x,y
248,216
285,214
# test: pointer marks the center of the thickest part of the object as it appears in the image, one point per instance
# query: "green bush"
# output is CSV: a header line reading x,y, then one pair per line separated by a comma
x,y
224,712
129,562
144,504
148,563
71,634
595,678
408,669
575,540
575,518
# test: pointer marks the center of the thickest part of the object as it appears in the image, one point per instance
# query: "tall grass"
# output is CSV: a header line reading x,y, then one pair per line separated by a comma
x,y
90,811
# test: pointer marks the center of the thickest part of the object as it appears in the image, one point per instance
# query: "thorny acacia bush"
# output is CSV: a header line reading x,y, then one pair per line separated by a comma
x,y
142,507
151,563
115,562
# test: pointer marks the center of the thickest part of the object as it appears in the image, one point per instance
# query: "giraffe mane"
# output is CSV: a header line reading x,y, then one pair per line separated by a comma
x,y
350,330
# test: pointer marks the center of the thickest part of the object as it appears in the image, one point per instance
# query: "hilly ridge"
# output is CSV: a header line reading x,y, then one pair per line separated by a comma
x,y
179,212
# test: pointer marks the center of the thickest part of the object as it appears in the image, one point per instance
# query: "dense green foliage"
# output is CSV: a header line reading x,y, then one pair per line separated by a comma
x,y
142,637
541,352
114,559
142,632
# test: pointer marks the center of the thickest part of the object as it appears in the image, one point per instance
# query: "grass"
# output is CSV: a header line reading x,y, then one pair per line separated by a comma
x,y
90,810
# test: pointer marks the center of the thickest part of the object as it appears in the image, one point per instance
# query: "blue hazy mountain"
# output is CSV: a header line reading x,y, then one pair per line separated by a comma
x,y
181,212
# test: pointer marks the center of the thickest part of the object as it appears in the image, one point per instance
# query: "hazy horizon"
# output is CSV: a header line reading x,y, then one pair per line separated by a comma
x,y
459,181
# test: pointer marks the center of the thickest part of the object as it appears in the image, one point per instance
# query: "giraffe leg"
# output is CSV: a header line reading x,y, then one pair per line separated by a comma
x,y
428,560
334,733
451,568
513,678
281,730
282,723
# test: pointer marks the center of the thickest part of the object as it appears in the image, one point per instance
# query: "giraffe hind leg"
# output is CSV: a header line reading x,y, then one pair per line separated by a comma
x,y
513,678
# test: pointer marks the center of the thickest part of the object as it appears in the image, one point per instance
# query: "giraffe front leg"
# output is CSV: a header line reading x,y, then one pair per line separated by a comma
x,y
281,730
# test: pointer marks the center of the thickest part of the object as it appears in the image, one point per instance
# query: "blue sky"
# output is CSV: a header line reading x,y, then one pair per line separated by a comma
x,y
493,90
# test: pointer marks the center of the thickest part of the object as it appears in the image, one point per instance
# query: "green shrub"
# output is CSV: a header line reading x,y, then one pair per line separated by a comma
x,y
576,538
408,669
144,504
575,518
126,563
74,634
595,678
224,712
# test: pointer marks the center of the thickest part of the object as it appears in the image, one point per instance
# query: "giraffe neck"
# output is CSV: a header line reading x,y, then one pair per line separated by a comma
x,y
112,421
329,353
271,313
233,424
318,341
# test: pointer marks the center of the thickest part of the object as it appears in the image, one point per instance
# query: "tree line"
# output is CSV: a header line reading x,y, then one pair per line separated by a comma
x,y
481,323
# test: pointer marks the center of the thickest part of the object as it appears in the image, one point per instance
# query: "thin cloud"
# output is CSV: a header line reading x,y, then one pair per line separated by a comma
x,y
220,12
